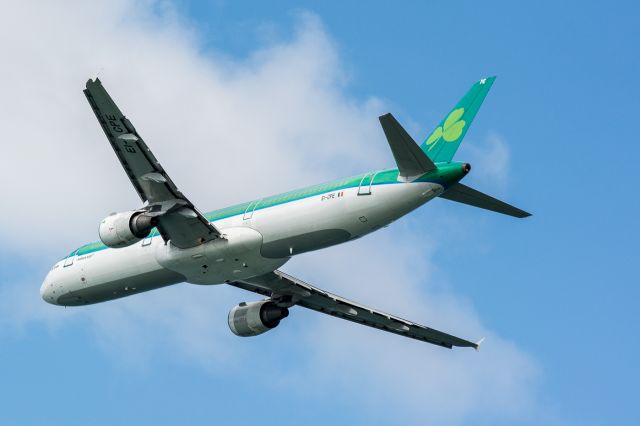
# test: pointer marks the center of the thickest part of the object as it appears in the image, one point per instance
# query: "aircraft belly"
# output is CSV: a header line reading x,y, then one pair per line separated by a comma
x,y
304,242
388,203
322,221
120,287
234,256
111,274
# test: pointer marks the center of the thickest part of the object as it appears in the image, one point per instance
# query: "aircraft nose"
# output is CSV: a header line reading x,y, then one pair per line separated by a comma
x,y
47,292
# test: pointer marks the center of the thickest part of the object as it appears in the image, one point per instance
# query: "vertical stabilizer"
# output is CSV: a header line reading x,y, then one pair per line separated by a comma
x,y
444,141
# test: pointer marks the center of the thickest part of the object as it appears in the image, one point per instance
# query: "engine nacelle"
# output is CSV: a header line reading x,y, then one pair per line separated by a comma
x,y
253,318
123,229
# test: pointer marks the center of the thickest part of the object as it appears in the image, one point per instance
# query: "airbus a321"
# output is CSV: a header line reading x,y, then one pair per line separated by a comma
x,y
168,240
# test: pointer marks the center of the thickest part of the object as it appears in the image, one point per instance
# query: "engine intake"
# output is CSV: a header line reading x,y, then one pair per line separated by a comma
x,y
123,229
253,318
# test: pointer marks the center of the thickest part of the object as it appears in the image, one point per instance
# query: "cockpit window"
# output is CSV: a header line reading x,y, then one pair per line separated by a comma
x,y
69,259
69,255
90,248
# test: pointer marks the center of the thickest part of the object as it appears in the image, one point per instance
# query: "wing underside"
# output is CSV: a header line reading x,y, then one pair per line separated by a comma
x,y
177,218
286,290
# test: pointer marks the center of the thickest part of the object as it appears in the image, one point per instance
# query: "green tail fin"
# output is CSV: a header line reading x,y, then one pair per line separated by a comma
x,y
444,141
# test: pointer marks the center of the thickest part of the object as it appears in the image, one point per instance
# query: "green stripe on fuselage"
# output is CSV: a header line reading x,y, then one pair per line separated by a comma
x,y
446,175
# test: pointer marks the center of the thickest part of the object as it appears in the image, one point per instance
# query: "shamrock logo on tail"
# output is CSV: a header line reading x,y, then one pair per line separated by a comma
x,y
450,131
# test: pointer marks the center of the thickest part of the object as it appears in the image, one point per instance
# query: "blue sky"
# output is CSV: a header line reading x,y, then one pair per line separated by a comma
x,y
556,293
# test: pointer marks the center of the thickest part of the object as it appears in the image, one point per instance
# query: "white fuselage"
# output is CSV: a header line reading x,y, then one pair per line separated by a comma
x,y
253,244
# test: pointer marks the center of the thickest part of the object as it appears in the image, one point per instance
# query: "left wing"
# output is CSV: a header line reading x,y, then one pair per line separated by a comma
x,y
177,218
287,291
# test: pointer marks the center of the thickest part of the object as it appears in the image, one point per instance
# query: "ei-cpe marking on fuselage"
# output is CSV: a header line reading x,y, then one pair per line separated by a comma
x,y
168,240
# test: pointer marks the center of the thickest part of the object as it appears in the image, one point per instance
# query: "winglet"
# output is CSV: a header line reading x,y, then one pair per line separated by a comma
x,y
477,344
96,76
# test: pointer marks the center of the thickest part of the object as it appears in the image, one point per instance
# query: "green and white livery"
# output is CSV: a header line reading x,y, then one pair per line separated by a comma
x,y
168,240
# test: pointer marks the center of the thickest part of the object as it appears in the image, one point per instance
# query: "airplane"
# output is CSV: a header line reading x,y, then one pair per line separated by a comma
x,y
168,240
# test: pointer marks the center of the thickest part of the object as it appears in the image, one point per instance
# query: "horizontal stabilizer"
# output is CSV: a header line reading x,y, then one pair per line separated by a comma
x,y
466,195
411,159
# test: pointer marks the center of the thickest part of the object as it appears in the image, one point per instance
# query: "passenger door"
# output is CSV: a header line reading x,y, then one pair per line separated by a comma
x,y
366,183
248,213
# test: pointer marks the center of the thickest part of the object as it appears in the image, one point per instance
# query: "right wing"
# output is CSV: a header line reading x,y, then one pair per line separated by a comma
x,y
177,218
287,291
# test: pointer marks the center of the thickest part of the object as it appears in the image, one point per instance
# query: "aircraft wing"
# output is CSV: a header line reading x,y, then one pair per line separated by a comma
x,y
287,291
177,218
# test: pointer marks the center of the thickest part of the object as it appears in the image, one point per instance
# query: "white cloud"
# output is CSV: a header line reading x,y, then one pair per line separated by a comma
x,y
395,270
227,130
418,381
490,160
220,127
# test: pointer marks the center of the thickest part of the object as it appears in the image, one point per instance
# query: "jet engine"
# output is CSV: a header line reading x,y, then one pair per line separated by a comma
x,y
253,318
123,229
